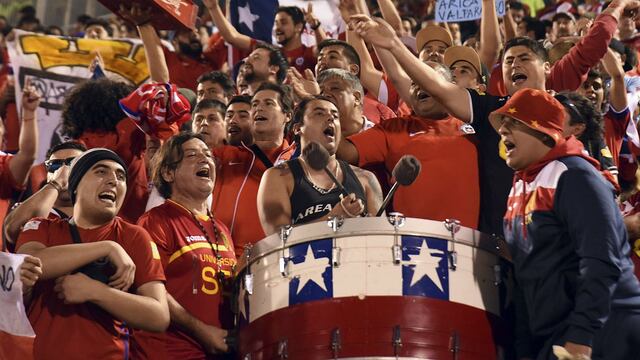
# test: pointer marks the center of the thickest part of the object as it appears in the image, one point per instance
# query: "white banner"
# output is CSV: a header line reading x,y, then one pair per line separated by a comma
x,y
13,316
55,64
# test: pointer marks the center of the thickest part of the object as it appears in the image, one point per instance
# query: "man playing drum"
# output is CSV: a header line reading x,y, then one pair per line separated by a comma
x,y
296,193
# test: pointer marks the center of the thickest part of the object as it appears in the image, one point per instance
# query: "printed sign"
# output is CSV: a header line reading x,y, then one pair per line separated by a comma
x,y
462,10
13,316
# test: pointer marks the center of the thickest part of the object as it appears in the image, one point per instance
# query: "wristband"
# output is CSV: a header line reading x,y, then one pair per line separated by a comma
x,y
316,27
54,184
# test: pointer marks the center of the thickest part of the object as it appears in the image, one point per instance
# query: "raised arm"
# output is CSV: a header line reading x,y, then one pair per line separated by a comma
x,y
381,35
509,25
314,23
490,43
618,92
370,77
390,15
28,143
228,32
152,46
37,205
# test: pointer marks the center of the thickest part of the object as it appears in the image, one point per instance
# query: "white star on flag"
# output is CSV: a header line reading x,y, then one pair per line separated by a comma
x,y
311,269
246,16
426,264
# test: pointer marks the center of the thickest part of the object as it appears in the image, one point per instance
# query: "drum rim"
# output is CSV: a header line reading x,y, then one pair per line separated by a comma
x,y
479,240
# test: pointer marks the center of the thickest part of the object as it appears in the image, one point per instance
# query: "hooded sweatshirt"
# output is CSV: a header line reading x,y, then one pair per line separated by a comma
x,y
569,248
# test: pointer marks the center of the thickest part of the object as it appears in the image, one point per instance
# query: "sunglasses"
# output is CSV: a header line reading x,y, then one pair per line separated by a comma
x,y
53,165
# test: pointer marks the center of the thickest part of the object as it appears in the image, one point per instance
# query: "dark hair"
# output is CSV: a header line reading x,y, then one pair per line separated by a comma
x,y
347,50
516,5
73,145
285,100
83,19
530,44
99,22
28,20
27,10
93,106
275,58
245,99
49,30
296,14
210,104
535,25
298,113
582,111
218,77
168,157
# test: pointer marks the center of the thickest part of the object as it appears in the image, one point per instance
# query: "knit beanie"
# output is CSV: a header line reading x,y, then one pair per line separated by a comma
x,y
84,162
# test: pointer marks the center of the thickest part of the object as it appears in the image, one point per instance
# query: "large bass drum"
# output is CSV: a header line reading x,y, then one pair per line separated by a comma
x,y
373,288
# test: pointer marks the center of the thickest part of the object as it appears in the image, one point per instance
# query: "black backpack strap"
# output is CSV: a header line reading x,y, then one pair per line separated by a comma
x,y
73,230
261,155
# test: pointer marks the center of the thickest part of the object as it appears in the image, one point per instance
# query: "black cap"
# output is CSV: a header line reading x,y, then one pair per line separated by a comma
x,y
84,162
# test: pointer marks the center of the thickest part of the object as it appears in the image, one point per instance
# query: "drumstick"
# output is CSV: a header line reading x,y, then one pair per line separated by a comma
x,y
318,158
406,172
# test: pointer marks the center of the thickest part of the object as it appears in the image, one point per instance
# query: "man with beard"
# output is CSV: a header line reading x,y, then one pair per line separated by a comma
x,y
289,25
265,64
208,121
182,66
564,25
52,201
524,63
240,168
239,121
438,140
294,193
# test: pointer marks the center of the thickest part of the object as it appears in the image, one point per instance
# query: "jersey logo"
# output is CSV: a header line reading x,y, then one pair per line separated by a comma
x,y
31,225
300,61
412,134
231,163
467,129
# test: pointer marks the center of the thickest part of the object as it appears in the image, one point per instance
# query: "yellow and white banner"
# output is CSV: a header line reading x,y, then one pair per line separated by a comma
x,y
55,64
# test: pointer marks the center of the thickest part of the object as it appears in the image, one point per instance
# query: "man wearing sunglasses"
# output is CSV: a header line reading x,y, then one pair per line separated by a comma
x,y
52,200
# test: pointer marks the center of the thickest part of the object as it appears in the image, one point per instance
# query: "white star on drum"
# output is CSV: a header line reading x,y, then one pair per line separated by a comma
x,y
309,270
426,263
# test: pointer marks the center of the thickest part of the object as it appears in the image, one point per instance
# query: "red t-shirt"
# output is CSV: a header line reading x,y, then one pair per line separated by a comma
x,y
191,269
85,331
375,111
388,95
183,70
301,58
7,183
238,175
448,185
128,141
615,128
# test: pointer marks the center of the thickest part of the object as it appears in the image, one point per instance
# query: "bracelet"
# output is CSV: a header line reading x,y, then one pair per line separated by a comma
x,y
316,27
54,184
346,212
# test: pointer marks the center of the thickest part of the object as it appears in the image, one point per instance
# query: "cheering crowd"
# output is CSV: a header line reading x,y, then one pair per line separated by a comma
x,y
525,126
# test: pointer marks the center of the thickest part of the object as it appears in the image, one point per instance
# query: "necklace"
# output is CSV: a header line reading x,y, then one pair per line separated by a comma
x,y
316,187
216,233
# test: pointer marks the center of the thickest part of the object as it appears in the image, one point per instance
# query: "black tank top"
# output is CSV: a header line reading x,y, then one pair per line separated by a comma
x,y
308,203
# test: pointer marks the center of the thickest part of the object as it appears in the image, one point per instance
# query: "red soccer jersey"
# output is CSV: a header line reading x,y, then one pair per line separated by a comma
x,y
183,70
301,58
85,331
376,111
615,128
128,141
448,185
191,268
238,175
7,182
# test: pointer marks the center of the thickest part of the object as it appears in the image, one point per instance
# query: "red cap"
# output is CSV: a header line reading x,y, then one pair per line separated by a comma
x,y
535,108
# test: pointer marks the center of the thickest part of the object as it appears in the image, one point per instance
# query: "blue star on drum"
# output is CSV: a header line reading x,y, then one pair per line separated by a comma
x,y
424,267
310,263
